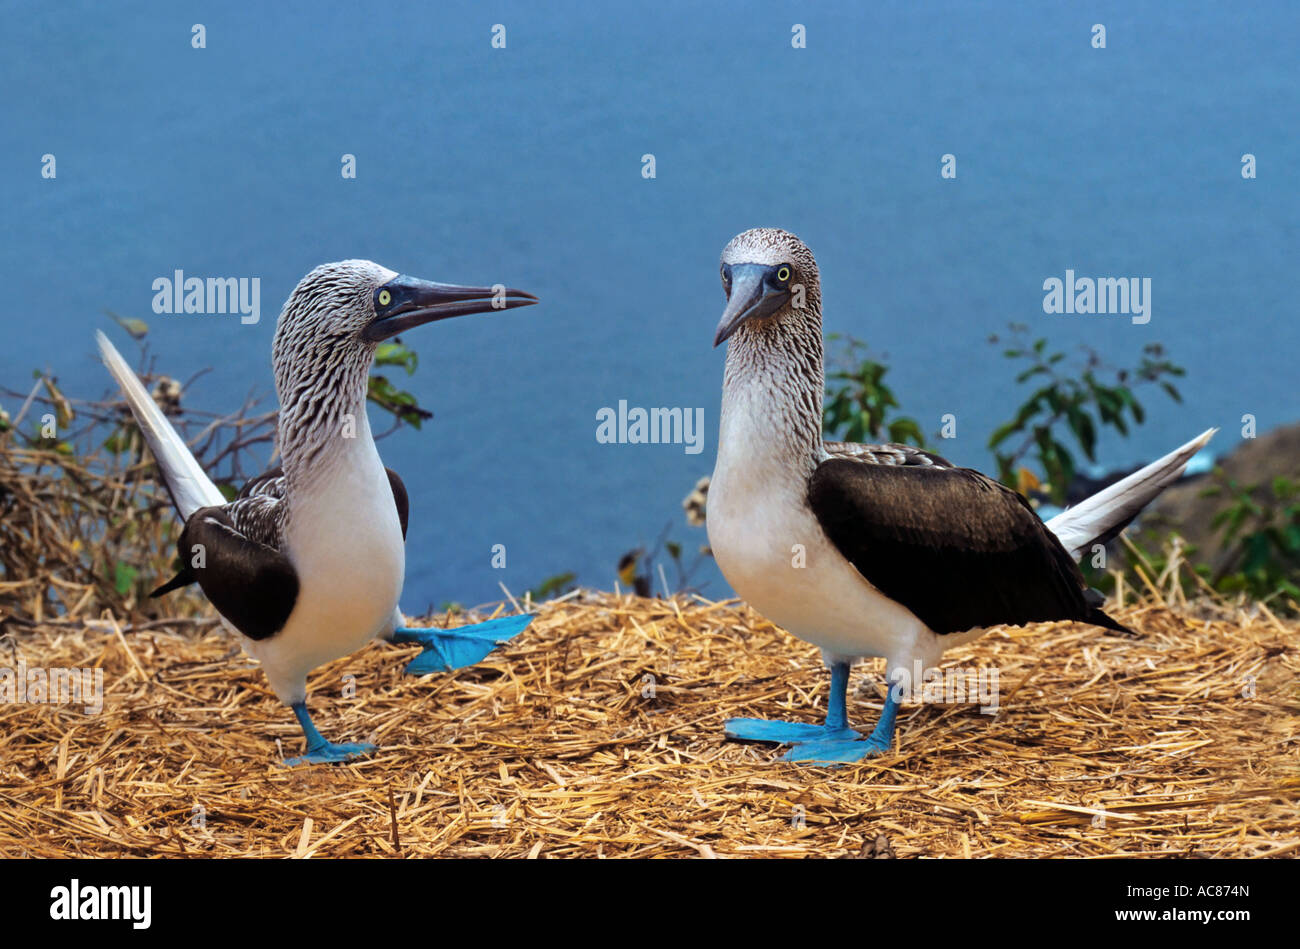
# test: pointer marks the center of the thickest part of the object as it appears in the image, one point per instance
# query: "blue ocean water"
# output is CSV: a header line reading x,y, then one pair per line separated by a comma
x,y
523,165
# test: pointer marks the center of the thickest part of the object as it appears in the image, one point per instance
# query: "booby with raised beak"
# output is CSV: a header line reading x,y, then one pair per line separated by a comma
x,y
307,563
871,550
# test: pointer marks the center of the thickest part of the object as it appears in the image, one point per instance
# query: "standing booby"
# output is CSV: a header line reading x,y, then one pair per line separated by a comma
x,y
306,564
871,550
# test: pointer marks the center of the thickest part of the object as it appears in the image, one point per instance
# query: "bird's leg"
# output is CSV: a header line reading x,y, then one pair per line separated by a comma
x,y
447,649
837,712
878,742
882,736
319,750
836,728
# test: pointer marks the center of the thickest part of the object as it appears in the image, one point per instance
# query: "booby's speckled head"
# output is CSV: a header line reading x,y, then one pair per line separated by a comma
x,y
327,333
361,302
768,275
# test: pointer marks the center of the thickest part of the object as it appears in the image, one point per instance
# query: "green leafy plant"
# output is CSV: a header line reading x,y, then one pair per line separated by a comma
x,y
557,585
1075,396
137,328
1261,532
684,571
124,577
401,404
859,406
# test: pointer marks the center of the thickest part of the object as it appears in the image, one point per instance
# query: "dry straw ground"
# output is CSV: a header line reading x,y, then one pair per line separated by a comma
x,y
1183,742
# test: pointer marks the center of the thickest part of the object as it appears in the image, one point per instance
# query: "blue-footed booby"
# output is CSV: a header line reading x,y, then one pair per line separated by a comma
x,y
871,550
306,564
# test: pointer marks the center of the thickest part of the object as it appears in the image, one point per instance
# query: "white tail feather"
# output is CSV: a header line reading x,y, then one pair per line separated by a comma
x,y
188,483
1086,521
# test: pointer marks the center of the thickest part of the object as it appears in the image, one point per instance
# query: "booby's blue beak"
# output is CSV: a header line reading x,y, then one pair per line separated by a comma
x,y
755,291
405,302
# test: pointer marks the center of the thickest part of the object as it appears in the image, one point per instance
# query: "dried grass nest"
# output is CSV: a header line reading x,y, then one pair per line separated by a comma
x,y
1183,742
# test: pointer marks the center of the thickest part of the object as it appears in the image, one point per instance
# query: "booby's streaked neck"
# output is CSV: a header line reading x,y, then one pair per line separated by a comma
x,y
322,391
773,389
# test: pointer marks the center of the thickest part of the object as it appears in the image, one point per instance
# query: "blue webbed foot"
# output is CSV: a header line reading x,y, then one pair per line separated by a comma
x,y
785,733
832,743
836,752
330,753
320,751
448,649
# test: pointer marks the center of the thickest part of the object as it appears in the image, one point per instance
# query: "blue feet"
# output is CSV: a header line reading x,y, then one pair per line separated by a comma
x,y
330,753
448,649
785,733
320,751
832,743
837,752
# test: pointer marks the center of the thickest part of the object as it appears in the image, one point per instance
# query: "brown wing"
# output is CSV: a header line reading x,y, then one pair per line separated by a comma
x,y
399,498
251,584
953,546
245,537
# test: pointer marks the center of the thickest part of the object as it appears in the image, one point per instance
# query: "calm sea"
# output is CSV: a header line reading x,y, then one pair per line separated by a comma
x,y
524,165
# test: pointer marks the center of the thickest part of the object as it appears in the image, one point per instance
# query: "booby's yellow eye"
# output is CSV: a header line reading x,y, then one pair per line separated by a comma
x,y
385,298
783,274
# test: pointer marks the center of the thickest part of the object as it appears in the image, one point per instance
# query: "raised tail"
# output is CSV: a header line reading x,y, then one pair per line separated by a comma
x,y
1102,516
185,480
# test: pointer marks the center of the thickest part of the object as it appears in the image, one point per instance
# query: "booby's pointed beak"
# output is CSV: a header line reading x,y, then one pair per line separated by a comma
x,y
405,302
753,294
